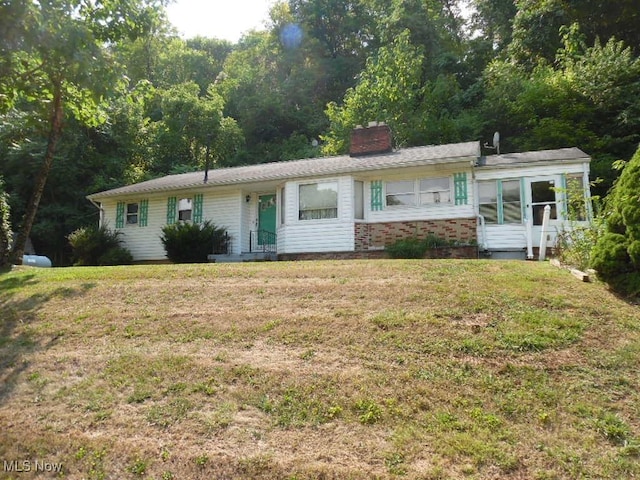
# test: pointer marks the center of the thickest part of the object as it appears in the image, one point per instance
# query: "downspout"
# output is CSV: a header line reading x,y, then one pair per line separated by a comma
x,y
483,229
483,225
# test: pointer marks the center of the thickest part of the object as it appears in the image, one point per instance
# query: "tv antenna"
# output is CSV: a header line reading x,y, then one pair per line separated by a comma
x,y
496,143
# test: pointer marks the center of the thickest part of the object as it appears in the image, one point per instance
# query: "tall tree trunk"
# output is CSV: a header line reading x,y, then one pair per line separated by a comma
x,y
55,131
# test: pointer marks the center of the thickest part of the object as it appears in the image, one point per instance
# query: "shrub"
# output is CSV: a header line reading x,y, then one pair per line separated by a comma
x,y
191,242
575,246
98,246
616,255
414,247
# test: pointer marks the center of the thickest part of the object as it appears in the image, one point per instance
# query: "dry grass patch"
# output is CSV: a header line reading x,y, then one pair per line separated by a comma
x,y
360,369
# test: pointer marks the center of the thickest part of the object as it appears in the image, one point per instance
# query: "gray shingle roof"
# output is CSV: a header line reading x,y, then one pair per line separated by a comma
x,y
508,159
416,156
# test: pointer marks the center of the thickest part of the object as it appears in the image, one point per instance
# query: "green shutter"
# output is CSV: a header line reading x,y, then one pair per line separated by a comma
x,y
171,210
197,208
144,213
120,215
460,188
376,196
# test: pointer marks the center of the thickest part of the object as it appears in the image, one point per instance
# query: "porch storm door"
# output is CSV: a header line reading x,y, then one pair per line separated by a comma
x,y
267,214
543,193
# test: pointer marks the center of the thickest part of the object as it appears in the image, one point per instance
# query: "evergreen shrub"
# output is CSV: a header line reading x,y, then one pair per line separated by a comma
x,y
98,246
616,255
191,242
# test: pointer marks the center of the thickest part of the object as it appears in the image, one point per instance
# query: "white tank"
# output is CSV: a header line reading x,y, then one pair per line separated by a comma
x,y
36,261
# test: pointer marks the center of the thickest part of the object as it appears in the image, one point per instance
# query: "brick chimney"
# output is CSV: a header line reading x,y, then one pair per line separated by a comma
x,y
375,138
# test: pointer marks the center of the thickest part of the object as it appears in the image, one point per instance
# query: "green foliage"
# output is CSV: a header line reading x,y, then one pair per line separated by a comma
x,y
98,246
575,246
369,411
616,255
191,242
387,90
587,97
414,247
5,229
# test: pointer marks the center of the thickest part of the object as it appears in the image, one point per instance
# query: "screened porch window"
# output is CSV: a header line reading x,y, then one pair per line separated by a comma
x,y
488,196
500,201
543,193
318,201
576,198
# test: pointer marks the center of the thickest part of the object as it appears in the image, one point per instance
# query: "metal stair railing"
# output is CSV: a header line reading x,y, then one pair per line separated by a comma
x,y
263,241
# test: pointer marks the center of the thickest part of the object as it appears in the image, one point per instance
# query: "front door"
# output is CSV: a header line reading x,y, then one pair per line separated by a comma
x,y
266,219
542,191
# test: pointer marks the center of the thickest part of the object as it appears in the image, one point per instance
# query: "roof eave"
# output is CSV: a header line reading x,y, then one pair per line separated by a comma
x,y
270,178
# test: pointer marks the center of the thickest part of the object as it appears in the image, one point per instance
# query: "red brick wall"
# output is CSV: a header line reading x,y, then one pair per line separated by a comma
x,y
377,235
370,140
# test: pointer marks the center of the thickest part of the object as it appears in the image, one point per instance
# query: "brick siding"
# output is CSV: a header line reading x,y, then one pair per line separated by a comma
x,y
375,236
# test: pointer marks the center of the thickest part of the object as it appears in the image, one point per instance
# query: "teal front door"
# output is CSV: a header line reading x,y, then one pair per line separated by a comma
x,y
266,219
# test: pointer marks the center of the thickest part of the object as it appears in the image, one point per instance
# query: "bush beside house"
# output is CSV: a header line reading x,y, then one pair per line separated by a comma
x,y
191,242
616,255
431,246
98,246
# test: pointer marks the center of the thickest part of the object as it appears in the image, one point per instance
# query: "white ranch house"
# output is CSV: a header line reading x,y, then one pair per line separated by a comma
x,y
354,205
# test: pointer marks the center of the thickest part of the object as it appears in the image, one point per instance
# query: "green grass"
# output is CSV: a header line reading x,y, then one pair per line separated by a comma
x,y
353,369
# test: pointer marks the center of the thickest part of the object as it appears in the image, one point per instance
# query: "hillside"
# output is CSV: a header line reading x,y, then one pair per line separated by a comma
x,y
362,369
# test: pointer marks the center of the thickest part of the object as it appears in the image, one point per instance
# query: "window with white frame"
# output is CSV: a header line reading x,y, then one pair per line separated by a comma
x,y
500,201
185,209
402,192
576,208
282,205
318,201
132,213
435,190
358,200
423,191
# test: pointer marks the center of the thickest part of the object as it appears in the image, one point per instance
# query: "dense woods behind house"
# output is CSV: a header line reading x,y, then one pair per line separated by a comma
x,y
96,95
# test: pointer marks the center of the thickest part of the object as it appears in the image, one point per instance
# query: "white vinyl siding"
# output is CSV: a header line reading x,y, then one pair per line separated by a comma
x,y
323,235
424,186
513,235
222,209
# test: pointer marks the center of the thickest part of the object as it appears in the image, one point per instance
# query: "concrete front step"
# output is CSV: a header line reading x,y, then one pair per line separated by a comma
x,y
243,257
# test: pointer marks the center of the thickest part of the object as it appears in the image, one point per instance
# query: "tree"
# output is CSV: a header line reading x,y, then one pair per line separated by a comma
x,y
587,97
5,229
57,62
191,130
388,90
493,20
616,255
392,89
